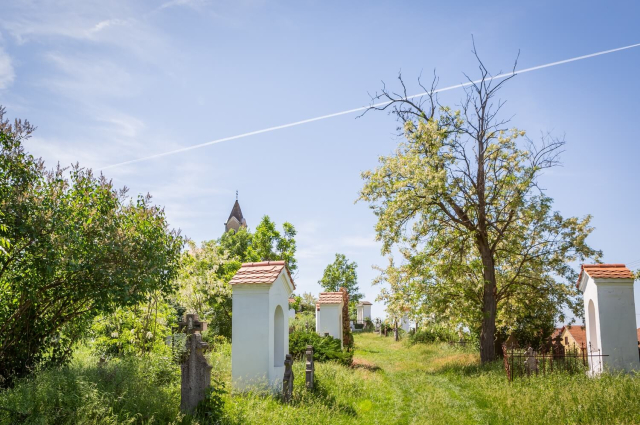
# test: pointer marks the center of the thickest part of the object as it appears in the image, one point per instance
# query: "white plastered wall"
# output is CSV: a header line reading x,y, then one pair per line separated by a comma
x,y
366,312
405,324
253,363
330,320
615,323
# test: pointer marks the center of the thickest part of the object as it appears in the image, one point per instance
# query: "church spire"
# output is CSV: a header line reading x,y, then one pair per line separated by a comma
x,y
235,220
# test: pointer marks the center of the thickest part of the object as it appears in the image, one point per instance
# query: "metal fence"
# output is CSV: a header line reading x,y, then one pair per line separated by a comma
x,y
525,362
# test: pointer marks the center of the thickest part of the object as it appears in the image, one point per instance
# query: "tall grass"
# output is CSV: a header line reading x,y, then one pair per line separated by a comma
x,y
389,382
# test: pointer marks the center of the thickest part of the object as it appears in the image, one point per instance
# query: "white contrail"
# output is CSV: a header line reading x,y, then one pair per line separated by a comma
x,y
363,108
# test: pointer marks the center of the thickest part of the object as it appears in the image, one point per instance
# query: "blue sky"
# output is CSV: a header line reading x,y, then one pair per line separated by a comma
x,y
107,82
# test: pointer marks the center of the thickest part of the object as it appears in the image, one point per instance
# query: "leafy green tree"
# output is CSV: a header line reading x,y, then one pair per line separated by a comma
x,y
77,248
269,244
205,270
342,273
203,285
237,246
134,330
460,198
309,301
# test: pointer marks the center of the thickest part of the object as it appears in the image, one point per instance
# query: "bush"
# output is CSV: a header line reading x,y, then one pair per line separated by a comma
x,y
433,333
211,409
325,348
305,321
133,330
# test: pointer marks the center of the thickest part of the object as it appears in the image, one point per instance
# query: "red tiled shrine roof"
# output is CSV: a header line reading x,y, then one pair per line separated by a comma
x,y
264,272
330,298
605,271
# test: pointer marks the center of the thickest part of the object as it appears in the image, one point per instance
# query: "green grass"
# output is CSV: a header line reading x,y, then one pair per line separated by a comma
x,y
389,383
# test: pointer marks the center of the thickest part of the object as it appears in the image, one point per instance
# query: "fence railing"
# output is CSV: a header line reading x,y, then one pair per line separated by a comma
x,y
525,362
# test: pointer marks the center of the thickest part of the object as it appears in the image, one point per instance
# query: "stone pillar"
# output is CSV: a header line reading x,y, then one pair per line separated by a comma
x,y
196,372
287,380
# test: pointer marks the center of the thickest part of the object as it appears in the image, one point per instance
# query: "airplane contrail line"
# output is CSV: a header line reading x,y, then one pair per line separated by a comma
x,y
362,108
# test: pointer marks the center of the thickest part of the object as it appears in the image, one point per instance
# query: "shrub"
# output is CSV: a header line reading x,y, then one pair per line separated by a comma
x,y
211,409
133,330
325,348
433,333
305,321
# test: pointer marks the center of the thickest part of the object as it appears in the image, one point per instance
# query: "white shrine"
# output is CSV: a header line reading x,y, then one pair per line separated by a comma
x,y
260,324
610,317
329,314
405,324
363,311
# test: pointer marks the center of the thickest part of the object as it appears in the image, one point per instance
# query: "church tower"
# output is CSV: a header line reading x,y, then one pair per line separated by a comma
x,y
235,220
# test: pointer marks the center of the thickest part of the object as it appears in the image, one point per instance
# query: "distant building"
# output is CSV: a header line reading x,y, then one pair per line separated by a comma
x,y
329,314
573,337
363,310
235,220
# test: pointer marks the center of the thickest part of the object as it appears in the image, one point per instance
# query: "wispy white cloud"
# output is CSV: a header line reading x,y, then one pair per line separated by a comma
x,y
7,74
85,77
194,4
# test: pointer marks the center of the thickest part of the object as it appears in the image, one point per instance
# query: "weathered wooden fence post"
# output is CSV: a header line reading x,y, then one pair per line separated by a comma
x,y
310,367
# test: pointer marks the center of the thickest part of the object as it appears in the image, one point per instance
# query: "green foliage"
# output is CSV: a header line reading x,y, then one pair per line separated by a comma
x,y
308,302
205,270
433,333
368,325
388,383
531,329
77,248
133,330
211,409
269,244
130,390
296,305
203,285
481,244
342,274
304,321
325,348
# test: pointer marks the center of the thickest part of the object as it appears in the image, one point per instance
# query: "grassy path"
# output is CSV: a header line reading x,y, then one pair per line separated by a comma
x,y
389,383
393,383
415,394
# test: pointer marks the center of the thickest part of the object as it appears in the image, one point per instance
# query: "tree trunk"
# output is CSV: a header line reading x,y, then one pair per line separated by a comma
x,y
489,305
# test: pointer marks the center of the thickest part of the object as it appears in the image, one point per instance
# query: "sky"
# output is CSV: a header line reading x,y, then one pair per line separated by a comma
x,y
110,82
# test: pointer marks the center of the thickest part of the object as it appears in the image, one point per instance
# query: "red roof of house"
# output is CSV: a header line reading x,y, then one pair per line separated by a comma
x,y
365,303
638,336
330,298
605,271
579,333
556,332
262,272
